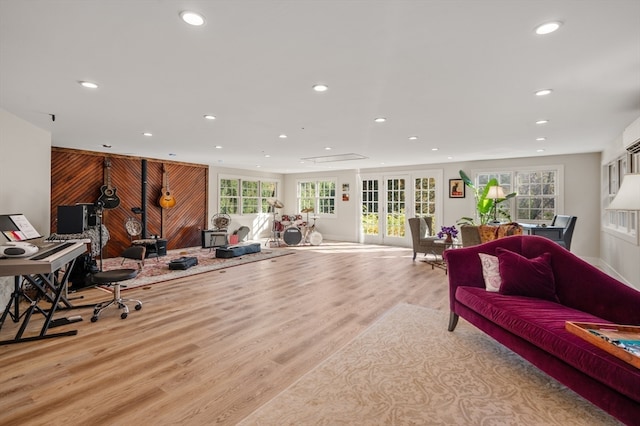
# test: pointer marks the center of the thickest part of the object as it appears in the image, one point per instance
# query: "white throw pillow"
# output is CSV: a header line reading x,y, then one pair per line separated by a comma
x,y
490,271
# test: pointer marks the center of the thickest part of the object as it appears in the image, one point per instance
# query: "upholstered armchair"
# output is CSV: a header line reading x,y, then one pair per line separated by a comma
x,y
422,236
567,223
474,235
470,235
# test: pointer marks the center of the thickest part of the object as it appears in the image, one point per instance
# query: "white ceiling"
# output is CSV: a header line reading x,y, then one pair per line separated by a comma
x,y
459,74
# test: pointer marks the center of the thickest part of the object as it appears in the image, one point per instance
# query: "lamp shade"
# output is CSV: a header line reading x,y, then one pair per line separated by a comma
x,y
628,196
495,192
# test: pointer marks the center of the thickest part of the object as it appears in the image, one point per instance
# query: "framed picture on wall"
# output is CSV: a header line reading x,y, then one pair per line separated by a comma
x,y
456,188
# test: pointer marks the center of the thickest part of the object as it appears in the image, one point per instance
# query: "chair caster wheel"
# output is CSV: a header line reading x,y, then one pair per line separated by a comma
x,y
123,315
138,307
94,318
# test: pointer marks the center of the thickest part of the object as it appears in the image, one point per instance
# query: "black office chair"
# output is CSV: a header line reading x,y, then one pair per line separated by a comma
x,y
136,253
114,278
567,223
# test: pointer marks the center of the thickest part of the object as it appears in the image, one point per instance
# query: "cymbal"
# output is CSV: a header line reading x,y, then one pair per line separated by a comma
x,y
275,203
307,210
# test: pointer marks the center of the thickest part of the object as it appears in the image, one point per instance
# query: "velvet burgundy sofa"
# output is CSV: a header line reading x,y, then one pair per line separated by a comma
x,y
542,285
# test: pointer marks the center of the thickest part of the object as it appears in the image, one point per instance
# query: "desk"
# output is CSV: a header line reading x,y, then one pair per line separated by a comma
x,y
554,233
43,275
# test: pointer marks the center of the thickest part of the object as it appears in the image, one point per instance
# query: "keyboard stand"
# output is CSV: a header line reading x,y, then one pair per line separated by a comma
x,y
43,276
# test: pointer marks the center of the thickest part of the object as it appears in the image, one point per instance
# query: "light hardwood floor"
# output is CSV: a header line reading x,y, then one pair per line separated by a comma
x,y
210,348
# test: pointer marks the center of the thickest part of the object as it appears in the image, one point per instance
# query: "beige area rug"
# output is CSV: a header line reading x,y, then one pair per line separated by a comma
x,y
155,271
407,369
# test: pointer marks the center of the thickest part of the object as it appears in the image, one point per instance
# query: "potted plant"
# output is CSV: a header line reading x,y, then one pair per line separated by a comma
x,y
484,206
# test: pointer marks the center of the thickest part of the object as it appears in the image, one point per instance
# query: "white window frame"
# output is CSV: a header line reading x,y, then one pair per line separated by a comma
x,y
511,204
317,197
262,209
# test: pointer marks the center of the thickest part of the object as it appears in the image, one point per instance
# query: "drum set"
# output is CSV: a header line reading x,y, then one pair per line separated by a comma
x,y
293,228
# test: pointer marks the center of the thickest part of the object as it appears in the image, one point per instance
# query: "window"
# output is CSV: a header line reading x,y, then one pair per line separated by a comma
x,y
250,197
229,195
425,198
536,199
319,195
245,196
538,195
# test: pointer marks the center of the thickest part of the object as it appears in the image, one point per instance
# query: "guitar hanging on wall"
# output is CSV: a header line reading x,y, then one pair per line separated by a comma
x,y
108,196
166,200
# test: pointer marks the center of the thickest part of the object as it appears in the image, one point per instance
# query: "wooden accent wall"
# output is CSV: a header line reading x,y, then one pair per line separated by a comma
x,y
77,176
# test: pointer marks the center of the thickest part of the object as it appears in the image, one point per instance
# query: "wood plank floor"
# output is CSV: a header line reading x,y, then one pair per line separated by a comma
x,y
210,348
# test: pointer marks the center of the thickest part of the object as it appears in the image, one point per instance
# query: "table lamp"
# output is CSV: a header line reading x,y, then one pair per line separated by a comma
x,y
628,196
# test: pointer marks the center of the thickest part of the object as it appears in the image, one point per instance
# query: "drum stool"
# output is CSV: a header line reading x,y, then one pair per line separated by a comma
x,y
113,278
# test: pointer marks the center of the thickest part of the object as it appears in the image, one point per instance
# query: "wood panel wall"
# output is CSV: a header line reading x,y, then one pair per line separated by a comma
x,y
77,176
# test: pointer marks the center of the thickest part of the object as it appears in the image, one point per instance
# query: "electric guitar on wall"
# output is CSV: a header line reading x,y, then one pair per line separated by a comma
x,y
166,200
108,196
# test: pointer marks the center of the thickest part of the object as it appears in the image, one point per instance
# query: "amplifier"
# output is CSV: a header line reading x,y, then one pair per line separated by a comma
x,y
76,219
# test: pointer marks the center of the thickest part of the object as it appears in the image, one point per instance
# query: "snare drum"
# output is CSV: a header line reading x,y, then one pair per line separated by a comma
x,y
292,236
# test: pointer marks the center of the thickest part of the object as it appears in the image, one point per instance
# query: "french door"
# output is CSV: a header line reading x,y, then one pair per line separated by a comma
x,y
384,209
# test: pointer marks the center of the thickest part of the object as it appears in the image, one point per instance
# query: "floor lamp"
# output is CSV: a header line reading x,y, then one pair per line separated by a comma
x,y
495,193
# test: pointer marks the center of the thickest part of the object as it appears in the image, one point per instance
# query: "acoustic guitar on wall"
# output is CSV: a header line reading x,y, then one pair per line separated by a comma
x,y
108,195
166,200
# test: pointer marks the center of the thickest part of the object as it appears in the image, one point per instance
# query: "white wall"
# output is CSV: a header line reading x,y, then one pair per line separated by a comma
x,y
25,181
25,177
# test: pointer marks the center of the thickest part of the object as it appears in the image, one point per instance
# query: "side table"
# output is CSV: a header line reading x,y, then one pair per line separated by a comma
x,y
437,260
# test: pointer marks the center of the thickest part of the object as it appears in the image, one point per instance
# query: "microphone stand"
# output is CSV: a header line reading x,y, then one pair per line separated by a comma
x,y
99,207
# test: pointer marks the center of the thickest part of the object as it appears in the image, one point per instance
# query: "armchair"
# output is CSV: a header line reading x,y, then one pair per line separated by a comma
x,y
560,230
422,237
566,223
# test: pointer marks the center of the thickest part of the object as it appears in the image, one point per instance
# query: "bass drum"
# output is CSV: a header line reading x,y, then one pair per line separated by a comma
x,y
315,239
292,236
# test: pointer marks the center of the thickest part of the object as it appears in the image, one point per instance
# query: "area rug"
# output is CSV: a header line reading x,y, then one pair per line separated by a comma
x,y
155,271
407,369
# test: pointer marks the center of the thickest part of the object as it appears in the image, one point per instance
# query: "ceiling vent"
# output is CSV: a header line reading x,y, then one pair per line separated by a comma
x,y
634,148
631,137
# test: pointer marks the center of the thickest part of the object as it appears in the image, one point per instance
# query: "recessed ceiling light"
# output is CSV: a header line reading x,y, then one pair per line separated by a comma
x,y
541,139
147,134
210,117
542,121
327,148
267,156
413,138
282,136
320,87
88,84
543,92
380,120
540,150
192,18
218,146
449,158
434,149
548,27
